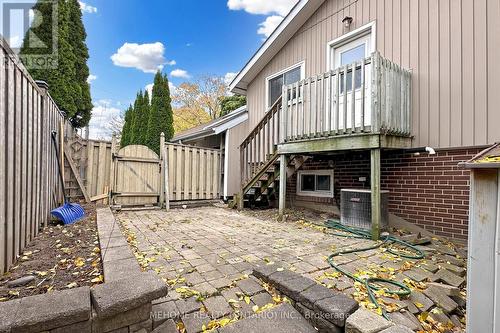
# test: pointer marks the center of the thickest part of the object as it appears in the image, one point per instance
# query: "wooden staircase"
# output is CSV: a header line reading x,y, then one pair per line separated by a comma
x,y
260,162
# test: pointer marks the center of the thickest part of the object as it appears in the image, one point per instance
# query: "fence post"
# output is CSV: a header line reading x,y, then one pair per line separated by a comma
x,y
162,169
112,167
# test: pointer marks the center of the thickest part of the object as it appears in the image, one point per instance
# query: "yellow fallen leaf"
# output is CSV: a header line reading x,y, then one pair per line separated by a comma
x,y
14,293
255,308
247,299
418,305
98,279
79,262
72,285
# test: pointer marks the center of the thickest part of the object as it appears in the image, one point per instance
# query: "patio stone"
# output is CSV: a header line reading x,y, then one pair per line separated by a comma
x,y
440,299
262,299
319,322
167,327
403,318
448,277
249,287
293,287
365,321
164,311
336,309
217,306
187,305
194,321
397,329
220,283
314,294
284,319
417,297
205,288
194,278
263,272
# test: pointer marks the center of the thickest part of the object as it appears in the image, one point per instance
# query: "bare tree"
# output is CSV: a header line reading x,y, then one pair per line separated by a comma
x,y
116,126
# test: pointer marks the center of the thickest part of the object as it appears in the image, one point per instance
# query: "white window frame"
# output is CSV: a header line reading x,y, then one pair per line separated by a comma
x,y
324,194
368,31
302,66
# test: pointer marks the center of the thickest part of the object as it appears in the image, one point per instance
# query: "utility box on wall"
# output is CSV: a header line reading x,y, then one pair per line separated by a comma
x,y
483,262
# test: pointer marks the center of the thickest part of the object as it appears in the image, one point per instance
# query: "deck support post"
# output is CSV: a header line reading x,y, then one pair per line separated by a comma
x,y
375,193
282,192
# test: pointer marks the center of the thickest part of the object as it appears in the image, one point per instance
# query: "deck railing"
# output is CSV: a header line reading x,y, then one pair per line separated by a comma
x,y
260,143
378,100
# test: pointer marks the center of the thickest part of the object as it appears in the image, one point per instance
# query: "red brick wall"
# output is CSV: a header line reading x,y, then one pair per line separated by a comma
x,y
430,191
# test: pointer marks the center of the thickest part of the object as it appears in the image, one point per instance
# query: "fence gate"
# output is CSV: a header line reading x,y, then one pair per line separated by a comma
x,y
136,177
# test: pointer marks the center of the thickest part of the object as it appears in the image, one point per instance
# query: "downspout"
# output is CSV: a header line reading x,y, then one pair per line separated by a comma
x,y
417,151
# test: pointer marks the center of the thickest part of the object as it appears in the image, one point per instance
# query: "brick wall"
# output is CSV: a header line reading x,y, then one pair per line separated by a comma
x,y
430,191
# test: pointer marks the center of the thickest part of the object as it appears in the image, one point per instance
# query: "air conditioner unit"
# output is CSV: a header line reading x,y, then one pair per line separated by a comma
x,y
356,208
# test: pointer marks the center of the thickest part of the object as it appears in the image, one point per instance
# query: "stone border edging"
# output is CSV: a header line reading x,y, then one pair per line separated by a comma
x,y
327,310
118,261
106,307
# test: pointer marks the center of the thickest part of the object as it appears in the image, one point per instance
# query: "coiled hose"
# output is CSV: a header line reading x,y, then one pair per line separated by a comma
x,y
370,282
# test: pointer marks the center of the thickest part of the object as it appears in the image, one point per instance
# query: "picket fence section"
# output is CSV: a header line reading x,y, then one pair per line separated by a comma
x,y
194,173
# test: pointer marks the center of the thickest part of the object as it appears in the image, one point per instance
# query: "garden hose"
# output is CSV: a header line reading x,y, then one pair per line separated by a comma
x,y
370,282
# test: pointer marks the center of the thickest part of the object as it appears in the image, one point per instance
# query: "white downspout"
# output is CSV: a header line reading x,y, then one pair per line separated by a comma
x,y
226,162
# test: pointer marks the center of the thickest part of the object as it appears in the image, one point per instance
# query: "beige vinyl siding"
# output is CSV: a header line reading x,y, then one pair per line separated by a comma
x,y
236,135
451,46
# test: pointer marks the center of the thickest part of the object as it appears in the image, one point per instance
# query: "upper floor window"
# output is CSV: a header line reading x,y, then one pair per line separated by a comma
x,y
276,82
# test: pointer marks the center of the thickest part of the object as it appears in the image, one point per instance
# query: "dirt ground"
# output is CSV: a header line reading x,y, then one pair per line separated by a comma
x,y
60,257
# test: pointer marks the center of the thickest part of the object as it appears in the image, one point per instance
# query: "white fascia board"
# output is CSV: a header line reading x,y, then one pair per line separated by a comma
x,y
230,124
276,41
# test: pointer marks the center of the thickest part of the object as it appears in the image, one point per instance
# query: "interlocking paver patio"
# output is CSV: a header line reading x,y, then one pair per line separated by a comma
x,y
211,251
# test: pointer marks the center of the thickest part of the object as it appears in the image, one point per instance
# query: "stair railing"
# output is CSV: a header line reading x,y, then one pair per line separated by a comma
x,y
261,143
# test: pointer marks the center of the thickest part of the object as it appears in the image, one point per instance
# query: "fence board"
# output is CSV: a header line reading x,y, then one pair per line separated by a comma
x,y
3,113
194,173
27,115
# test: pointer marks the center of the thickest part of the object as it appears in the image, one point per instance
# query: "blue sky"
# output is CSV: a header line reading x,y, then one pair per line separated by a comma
x,y
129,40
185,38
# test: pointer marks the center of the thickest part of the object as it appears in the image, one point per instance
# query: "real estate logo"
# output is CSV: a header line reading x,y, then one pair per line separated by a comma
x,y
32,26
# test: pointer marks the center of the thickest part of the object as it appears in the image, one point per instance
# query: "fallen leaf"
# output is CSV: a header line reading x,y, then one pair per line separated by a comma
x,y
79,262
72,285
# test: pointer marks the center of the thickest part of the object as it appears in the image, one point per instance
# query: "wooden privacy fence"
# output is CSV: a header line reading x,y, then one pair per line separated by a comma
x,y
91,160
193,173
29,184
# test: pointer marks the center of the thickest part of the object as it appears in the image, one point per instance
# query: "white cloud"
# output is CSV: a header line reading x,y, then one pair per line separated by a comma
x,y
146,57
264,7
229,77
91,78
171,63
267,27
100,123
86,8
180,73
149,89
15,42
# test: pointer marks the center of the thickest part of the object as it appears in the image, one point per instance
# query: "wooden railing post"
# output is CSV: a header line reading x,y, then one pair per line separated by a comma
x,y
284,115
375,91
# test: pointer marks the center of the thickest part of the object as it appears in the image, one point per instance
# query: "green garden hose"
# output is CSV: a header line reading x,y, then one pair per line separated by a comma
x,y
370,282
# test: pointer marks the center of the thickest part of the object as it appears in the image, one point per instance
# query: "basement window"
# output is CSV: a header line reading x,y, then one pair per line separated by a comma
x,y
315,183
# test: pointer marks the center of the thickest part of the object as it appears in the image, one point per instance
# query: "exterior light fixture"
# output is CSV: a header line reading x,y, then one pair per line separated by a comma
x,y
347,21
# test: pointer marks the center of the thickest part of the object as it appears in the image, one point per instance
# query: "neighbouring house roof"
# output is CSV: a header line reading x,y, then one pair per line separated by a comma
x,y
298,15
213,127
